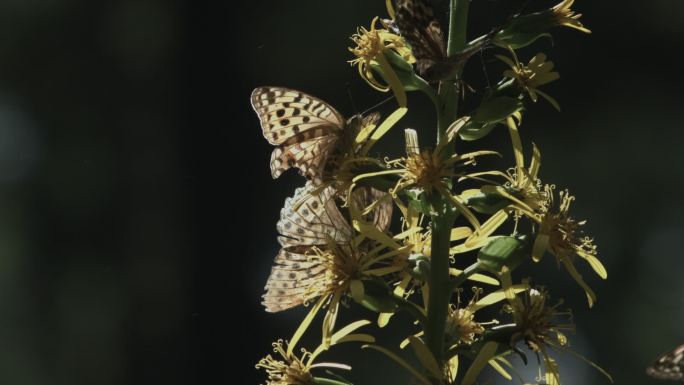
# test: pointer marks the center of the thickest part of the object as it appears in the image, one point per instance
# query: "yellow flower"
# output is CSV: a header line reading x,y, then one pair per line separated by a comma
x,y
292,370
461,324
373,48
522,185
566,17
563,237
537,322
523,30
289,369
530,77
431,171
342,269
540,325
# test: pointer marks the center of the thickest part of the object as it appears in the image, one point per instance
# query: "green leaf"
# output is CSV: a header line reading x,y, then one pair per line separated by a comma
x,y
487,203
503,251
475,130
401,67
418,200
491,111
497,109
517,40
377,296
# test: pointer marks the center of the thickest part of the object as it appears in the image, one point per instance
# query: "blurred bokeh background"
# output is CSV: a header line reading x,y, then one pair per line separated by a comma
x,y
137,212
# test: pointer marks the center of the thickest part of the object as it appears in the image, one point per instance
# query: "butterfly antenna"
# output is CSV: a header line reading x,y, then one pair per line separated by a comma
x,y
378,105
351,98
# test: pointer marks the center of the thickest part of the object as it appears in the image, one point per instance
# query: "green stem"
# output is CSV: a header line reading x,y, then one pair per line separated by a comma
x,y
444,214
458,23
440,293
461,278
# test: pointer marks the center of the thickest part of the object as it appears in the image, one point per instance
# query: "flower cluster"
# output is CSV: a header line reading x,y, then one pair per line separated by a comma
x,y
339,242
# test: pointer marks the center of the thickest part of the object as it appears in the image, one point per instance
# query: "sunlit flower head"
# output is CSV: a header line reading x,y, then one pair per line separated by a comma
x,y
530,77
563,236
461,325
567,17
426,169
431,172
288,369
338,266
539,324
371,46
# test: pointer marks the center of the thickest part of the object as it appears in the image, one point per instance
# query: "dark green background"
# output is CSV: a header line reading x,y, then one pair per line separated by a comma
x,y
137,213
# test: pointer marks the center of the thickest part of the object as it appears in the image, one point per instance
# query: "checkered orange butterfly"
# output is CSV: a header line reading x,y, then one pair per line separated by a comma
x,y
669,366
308,133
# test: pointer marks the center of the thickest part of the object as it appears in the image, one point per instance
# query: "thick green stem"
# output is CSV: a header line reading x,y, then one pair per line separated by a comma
x,y
444,213
440,293
458,23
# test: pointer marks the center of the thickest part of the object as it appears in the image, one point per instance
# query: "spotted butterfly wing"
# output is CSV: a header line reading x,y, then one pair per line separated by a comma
x,y
670,366
308,220
311,218
416,23
381,215
304,129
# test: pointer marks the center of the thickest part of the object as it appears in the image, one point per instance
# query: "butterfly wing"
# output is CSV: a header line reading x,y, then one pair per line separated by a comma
x,y
669,366
312,218
417,24
308,219
304,129
381,215
291,274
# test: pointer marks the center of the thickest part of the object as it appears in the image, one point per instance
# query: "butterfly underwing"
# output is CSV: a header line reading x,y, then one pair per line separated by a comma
x,y
313,220
669,366
306,131
415,21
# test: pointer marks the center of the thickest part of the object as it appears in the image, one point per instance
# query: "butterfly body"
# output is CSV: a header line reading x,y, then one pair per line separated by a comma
x,y
669,366
306,131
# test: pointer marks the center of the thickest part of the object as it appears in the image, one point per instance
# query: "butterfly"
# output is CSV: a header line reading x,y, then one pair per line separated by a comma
x,y
670,366
308,133
416,23
314,220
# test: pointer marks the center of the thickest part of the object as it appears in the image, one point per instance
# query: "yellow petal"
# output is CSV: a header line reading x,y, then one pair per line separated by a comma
x,y
348,330
500,370
425,357
476,277
591,297
330,318
304,325
392,79
459,233
401,362
453,367
536,161
595,264
516,142
541,243
485,354
498,296
383,128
